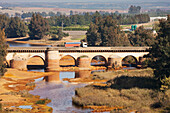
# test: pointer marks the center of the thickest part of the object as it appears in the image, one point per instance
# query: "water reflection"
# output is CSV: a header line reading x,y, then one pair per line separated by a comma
x,y
82,74
16,44
61,92
59,76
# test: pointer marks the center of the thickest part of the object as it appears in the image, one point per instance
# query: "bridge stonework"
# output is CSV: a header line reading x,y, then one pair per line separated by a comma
x,y
18,57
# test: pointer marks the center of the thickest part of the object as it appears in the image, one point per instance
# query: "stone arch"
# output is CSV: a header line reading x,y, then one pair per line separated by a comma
x,y
98,60
130,61
36,62
67,60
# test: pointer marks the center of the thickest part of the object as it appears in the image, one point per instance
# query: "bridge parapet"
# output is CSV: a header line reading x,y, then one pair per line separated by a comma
x,y
80,49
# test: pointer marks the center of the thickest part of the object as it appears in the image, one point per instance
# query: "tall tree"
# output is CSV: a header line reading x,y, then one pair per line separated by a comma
x,y
16,28
3,52
142,37
106,32
160,54
38,26
4,20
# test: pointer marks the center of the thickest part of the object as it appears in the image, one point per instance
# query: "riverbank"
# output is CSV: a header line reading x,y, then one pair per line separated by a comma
x,y
14,87
125,91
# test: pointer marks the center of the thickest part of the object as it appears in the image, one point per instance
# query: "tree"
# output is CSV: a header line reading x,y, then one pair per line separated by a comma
x,y
16,28
60,34
160,54
3,52
38,27
134,9
3,21
142,37
106,32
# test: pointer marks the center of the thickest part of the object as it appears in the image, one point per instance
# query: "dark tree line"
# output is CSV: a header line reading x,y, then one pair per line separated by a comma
x,y
87,18
37,28
14,26
44,14
107,32
134,9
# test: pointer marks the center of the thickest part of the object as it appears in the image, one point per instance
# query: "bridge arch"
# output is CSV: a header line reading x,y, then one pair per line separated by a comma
x,y
67,60
129,61
35,62
98,60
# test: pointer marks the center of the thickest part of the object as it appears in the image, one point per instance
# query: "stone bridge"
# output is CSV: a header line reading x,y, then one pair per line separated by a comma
x,y
18,57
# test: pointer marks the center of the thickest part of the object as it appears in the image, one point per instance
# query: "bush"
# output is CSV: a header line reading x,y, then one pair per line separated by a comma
x,y
40,102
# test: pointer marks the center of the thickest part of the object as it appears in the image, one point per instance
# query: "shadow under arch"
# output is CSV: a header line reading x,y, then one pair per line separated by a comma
x,y
67,61
98,60
129,61
36,62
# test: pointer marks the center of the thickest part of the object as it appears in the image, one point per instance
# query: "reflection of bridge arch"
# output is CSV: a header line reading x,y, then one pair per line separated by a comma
x,y
99,60
35,62
67,60
129,60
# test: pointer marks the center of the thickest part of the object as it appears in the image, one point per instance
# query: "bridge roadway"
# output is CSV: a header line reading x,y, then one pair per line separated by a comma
x,y
18,57
79,49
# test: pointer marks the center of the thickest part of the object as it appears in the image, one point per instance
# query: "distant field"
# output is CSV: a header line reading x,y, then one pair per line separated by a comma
x,y
149,24
76,28
76,35
55,10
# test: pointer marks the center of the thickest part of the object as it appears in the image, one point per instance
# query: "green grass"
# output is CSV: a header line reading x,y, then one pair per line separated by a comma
x,y
81,37
73,28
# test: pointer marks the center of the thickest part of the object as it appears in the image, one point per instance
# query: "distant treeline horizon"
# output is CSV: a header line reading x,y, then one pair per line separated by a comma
x,y
87,4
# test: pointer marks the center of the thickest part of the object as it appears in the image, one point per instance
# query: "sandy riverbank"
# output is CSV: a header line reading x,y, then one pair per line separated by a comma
x,y
14,87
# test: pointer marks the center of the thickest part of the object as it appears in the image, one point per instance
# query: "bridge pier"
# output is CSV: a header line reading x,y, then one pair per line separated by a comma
x,y
114,61
140,60
84,63
52,59
20,64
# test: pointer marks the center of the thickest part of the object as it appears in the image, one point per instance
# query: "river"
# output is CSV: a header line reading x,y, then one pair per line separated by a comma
x,y
58,91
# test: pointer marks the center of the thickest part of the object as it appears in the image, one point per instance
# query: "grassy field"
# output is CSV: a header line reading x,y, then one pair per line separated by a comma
x,y
76,35
129,90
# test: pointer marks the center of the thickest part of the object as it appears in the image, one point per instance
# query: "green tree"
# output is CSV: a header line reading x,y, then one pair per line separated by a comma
x,y
106,32
134,9
38,27
93,36
16,28
4,20
60,34
3,52
160,54
142,37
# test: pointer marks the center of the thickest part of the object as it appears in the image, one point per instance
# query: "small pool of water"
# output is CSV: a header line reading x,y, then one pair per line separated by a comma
x,y
24,106
39,79
129,68
16,44
38,70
